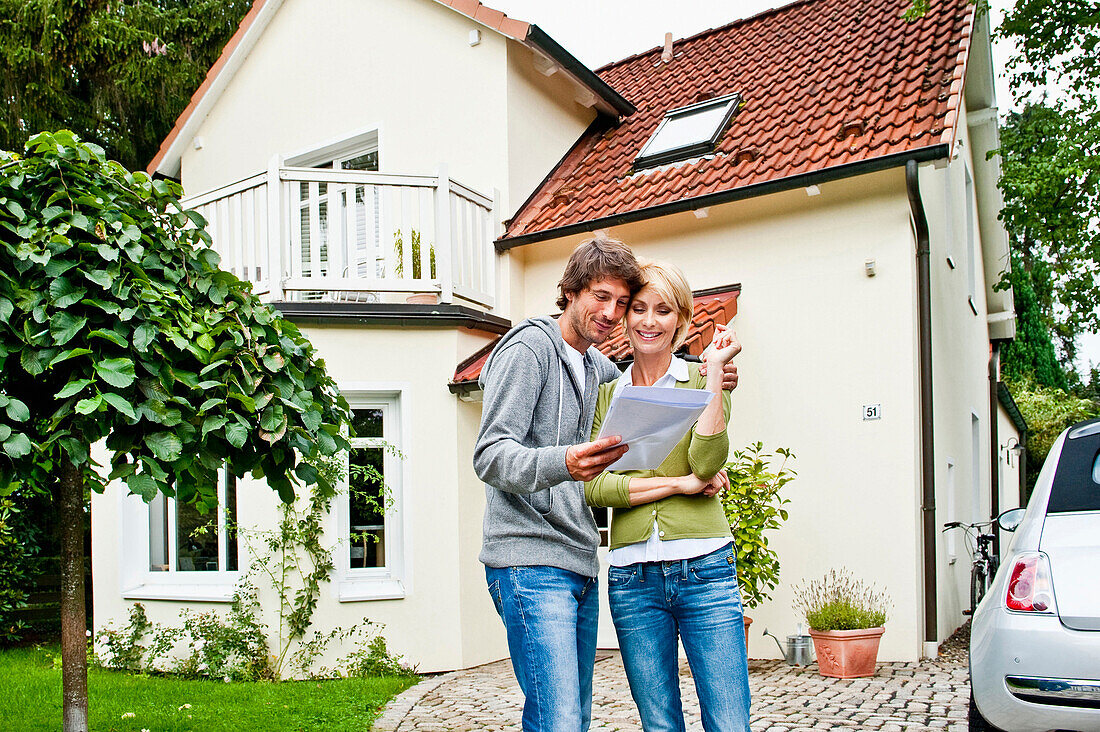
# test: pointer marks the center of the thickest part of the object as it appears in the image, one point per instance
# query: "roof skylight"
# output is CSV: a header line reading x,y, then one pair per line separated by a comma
x,y
688,131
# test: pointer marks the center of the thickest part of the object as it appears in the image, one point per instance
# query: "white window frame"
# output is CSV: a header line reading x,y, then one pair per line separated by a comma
x,y
951,510
685,151
330,154
333,150
971,240
976,513
390,582
139,582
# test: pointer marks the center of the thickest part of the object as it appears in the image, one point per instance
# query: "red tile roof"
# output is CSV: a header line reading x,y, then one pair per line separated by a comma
x,y
714,306
824,83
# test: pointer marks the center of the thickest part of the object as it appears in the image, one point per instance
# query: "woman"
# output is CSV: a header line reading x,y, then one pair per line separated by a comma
x,y
672,571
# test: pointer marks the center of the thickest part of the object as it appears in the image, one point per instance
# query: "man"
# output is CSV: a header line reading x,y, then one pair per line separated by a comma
x,y
540,539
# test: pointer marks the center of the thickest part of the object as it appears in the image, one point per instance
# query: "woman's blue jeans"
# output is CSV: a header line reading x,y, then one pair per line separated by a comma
x,y
550,615
697,600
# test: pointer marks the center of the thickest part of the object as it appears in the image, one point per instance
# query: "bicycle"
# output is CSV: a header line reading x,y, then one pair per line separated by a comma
x,y
984,561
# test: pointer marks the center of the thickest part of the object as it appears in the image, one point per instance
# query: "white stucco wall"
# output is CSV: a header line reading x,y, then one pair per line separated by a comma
x,y
443,621
960,369
1011,465
326,68
821,339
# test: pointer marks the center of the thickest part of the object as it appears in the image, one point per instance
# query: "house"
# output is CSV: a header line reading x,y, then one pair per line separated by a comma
x,y
820,168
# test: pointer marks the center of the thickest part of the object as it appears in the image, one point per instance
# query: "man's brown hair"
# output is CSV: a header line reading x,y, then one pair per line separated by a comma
x,y
596,259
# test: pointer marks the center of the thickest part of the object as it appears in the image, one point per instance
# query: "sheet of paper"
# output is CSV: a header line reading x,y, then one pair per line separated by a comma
x,y
651,420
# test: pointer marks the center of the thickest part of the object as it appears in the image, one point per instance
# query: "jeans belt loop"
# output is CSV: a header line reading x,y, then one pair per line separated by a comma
x,y
684,568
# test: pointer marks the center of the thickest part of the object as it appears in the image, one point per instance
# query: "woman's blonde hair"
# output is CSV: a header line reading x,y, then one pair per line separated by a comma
x,y
672,287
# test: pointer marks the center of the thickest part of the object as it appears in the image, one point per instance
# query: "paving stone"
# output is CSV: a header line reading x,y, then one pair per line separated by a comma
x,y
930,695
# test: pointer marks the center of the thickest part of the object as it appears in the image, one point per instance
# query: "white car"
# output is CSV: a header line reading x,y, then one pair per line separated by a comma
x,y
1035,636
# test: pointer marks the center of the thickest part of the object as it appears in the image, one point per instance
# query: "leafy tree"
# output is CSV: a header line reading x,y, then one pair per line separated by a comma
x,y
116,325
1051,157
1031,355
1047,412
1050,179
118,72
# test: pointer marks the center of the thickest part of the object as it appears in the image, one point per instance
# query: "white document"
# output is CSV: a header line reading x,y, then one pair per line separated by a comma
x,y
651,419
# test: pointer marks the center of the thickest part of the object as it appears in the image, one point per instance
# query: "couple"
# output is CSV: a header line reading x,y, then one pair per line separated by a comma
x,y
672,574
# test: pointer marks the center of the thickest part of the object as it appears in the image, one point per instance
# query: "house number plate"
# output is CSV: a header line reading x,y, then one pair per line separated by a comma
x,y
872,411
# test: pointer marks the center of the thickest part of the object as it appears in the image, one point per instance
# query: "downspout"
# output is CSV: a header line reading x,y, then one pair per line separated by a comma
x,y
994,444
924,336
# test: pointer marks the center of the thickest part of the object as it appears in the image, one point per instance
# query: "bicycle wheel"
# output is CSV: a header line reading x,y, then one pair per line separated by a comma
x,y
979,581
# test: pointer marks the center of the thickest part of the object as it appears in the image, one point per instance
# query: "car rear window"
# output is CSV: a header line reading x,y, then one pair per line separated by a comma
x,y
1077,480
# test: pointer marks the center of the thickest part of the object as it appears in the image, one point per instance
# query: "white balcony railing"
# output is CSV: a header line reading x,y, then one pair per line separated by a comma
x,y
321,234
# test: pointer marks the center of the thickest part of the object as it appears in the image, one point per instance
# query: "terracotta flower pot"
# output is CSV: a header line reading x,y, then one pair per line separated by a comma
x,y
847,654
423,298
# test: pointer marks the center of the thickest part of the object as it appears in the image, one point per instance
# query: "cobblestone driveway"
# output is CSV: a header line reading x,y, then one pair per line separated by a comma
x,y
931,695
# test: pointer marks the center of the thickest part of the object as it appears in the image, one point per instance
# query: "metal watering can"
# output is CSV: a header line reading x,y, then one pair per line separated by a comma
x,y
799,650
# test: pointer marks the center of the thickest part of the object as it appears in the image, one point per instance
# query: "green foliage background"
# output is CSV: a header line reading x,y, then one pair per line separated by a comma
x,y
83,65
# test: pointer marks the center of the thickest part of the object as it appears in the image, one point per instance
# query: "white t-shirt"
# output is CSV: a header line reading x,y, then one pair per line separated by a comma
x,y
576,362
654,549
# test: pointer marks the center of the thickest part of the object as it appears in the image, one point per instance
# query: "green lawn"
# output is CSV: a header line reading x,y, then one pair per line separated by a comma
x,y
30,699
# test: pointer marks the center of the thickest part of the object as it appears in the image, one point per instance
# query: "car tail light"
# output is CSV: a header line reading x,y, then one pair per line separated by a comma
x,y
1030,589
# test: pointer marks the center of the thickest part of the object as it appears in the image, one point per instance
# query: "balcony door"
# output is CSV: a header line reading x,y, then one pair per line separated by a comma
x,y
343,217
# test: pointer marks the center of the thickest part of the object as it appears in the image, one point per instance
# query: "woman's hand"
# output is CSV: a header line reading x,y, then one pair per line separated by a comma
x,y
722,348
693,485
717,484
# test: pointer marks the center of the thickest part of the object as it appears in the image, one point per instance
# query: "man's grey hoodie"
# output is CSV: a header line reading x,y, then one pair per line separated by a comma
x,y
534,409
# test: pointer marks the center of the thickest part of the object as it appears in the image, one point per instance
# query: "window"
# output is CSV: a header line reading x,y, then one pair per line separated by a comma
x,y
182,539
688,131
602,515
971,244
338,227
950,512
975,469
356,206
172,551
370,553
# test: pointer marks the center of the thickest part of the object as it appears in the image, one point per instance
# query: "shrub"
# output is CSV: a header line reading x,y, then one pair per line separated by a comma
x,y
14,575
1047,411
753,507
839,601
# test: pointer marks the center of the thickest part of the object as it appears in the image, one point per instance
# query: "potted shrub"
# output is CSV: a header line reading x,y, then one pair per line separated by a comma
x,y
422,298
754,507
847,619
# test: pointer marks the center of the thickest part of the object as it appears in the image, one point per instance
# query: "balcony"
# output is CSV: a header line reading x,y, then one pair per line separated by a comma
x,y
317,234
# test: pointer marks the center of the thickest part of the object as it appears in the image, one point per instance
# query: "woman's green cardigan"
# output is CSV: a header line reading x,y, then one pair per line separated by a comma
x,y
679,516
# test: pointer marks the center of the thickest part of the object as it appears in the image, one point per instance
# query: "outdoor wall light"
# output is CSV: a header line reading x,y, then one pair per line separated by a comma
x,y
1012,448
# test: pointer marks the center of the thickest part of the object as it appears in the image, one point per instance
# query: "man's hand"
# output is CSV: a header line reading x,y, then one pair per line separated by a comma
x,y
588,459
729,375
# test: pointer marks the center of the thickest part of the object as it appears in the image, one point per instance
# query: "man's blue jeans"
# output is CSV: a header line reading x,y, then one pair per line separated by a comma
x,y
698,600
550,615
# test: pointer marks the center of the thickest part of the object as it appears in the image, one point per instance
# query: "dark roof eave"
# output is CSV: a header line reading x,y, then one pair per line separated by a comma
x,y
1004,396
538,38
824,175
386,314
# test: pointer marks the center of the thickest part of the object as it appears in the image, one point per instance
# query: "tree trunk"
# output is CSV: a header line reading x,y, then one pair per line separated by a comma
x,y
74,645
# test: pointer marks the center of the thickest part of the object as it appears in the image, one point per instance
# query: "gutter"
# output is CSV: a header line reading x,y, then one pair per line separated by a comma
x,y
824,175
924,335
384,314
547,46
